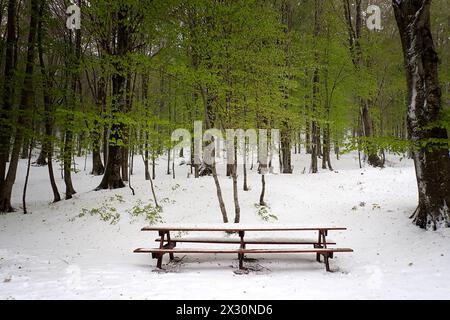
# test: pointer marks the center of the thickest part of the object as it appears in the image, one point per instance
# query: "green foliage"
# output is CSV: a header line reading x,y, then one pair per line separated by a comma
x,y
265,214
151,213
106,212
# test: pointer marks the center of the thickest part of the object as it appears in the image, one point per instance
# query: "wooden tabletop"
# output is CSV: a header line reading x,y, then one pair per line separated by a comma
x,y
235,228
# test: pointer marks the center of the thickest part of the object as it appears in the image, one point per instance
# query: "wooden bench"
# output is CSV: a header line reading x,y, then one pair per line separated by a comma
x,y
167,245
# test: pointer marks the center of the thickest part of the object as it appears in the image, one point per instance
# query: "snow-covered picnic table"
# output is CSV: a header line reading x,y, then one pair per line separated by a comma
x,y
235,234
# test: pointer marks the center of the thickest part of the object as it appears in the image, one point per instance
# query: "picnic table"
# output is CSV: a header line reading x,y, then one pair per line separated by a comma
x,y
236,234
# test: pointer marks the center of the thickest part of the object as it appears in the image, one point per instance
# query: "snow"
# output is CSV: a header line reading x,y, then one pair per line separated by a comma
x,y
53,254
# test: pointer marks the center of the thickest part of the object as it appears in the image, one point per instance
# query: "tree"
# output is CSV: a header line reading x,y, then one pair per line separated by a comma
x,y
26,104
5,133
431,149
354,40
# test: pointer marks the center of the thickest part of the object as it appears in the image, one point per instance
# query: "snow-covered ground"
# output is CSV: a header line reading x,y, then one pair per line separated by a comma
x,y
51,253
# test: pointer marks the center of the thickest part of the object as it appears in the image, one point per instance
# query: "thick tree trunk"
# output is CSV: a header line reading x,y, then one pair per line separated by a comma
x,y
5,129
97,166
26,103
125,163
326,160
67,163
112,178
431,159
286,149
42,159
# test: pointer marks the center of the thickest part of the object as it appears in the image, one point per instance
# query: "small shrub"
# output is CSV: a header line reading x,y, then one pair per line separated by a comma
x,y
106,212
151,213
264,213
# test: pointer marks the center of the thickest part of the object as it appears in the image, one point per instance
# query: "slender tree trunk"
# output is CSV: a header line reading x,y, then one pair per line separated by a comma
x,y
354,34
153,165
168,162
315,130
245,164
27,176
47,84
237,208
74,95
263,190
97,166
208,113
219,194
432,161
146,157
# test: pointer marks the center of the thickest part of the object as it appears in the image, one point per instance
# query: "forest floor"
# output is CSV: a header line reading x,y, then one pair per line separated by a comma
x,y
52,253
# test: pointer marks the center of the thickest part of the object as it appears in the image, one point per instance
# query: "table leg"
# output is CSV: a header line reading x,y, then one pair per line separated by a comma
x,y
327,262
161,246
170,245
319,245
242,246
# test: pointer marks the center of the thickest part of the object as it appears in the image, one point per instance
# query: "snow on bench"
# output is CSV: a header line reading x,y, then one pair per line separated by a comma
x,y
168,244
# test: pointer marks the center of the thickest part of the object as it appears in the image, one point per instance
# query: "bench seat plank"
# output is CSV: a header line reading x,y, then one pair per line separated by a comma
x,y
280,241
243,251
235,228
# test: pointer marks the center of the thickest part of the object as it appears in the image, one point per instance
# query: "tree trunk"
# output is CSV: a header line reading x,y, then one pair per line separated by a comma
x,y
354,36
432,162
112,178
245,164
315,131
146,157
5,129
97,166
47,84
125,163
42,159
26,103
286,149
75,87
209,118
27,176
263,190
237,208
67,162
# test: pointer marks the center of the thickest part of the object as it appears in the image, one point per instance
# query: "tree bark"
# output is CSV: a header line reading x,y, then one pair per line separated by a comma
x,y
430,153
354,36
5,129
112,178
47,83
26,103
315,131
97,166
237,208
